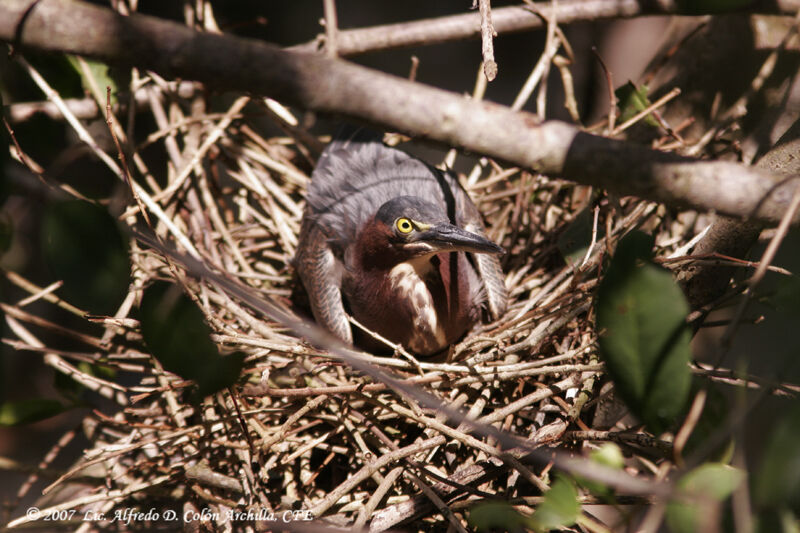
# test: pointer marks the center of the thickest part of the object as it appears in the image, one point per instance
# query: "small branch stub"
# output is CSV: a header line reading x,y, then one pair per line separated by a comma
x,y
487,34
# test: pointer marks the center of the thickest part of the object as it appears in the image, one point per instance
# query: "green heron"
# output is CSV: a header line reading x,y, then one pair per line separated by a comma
x,y
399,244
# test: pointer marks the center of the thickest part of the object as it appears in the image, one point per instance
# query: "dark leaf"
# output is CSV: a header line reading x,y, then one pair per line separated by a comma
x,y
175,331
644,340
28,411
497,516
83,247
698,492
778,480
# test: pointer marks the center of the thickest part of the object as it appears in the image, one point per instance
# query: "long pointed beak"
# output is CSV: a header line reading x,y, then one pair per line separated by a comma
x,y
449,238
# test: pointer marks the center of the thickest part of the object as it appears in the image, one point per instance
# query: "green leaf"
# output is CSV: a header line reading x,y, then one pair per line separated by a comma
x,y
643,337
497,516
715,481
222,372
28,411
698,492
560,507
84,247
608,455
777,482
632,100
100,77
175,331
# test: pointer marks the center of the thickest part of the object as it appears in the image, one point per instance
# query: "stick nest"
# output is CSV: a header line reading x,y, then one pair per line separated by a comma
x,y
322,438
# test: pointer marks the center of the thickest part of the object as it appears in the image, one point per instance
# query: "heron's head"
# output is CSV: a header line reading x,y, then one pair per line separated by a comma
x,y
409,227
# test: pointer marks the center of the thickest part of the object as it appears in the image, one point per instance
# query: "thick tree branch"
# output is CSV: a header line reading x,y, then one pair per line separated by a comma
x,y
323,84
512,19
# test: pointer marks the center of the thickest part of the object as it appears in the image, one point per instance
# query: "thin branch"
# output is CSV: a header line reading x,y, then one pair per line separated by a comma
x,y
509,20
612,97
646,111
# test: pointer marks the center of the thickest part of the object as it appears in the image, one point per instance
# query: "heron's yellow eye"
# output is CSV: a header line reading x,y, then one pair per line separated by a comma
x,y
404,225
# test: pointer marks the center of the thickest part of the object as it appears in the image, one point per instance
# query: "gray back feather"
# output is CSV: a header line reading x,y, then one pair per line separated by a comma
x,y
356,174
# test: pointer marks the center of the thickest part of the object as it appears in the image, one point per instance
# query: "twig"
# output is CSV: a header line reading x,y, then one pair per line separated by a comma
x,y
82,108
594,236
331,28
412,72
622,437
646,111
682,437
376,497
121,154
570,103
487,34
396,347
537,74
731,377
553,41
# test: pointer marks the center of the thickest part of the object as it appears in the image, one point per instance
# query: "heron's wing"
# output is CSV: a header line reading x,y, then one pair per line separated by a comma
x,y
491,274
321,276
488,265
